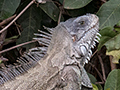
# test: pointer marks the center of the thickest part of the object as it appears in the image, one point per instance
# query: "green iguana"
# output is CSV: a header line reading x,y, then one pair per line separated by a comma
x,y
67,49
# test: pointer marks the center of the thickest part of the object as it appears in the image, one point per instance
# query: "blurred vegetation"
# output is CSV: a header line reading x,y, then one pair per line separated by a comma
x,y
51,12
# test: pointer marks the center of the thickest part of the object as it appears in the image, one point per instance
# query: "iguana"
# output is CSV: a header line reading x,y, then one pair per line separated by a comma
x,y
67,49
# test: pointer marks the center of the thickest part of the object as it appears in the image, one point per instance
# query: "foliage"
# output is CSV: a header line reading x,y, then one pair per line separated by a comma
x,y
74,4
108,18
113,80
115,54
109,13
108,38
30,22
51,10
49,13
8,8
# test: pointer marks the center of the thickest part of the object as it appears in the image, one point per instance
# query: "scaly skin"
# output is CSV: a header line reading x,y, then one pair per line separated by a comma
x,y
62,66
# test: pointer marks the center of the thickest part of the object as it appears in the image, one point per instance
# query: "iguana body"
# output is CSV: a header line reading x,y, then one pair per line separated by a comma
x,y
62,66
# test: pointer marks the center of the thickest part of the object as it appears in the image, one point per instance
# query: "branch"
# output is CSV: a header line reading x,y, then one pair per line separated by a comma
x,y
17,46
7,20
18,16
97,72
102,66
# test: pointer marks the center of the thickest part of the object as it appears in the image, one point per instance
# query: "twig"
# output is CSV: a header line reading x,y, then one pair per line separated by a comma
x,y
61,11
18,16
17,46
113,66
102,66
97,71
116,26
94,53
10,41
7,20
59,17
17,28
2,39
99,82
103,1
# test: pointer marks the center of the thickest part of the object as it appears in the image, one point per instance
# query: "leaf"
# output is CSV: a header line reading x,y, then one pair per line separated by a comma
x,y
93,81
99,86
113,43
110,39
51,10
81,11
94,87
61,1
30,22
92,78
108,89
115,54
113,80
109,13
8,8
75,4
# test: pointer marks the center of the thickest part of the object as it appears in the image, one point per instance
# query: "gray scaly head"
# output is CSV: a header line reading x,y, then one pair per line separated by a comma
x,y
84,31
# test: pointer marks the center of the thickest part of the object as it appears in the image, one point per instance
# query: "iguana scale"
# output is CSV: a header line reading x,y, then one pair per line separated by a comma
x,y
68,48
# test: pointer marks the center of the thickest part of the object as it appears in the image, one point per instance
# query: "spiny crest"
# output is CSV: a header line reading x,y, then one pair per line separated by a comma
x,y
28,59
44,38
92,45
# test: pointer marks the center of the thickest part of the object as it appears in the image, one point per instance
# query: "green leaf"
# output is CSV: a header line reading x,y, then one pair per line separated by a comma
x,y
115,54
51,10
99,86
61,1
30,22
92,78
109,13
110,39
113,43
81,11
94,87
113,80
93,81
8,8
75,4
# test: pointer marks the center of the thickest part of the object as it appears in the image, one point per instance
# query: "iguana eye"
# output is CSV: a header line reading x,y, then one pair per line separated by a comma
x,y
81,22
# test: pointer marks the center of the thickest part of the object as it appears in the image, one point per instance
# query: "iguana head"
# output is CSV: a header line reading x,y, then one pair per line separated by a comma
x,y
84,31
